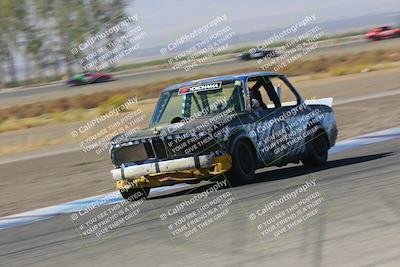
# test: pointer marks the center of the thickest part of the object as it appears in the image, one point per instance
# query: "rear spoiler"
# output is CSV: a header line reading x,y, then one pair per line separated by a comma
x,y
322,101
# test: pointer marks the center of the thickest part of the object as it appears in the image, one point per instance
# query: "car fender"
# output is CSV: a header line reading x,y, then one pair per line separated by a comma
x,y
327,124
235,137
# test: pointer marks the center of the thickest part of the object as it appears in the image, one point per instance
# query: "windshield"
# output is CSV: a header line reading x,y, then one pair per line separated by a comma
x,y
198,101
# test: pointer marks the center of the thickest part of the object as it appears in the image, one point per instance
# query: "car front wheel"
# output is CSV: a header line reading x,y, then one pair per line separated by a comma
x,y
135,194
244,163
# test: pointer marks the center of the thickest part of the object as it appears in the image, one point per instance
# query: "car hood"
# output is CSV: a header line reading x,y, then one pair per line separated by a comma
x,y
170,130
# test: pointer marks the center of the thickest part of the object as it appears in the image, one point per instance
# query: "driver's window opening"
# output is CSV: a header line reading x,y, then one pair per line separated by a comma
x,y
262,93
286,95
270,92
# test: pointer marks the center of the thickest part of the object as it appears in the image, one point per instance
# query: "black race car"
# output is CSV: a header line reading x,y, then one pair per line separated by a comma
x,y
227,125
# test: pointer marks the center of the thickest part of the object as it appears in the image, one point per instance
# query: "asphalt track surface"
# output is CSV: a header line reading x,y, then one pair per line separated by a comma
x,y
27,95
357,223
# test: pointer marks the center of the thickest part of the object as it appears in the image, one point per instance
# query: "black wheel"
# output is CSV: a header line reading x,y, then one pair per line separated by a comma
x,y
79,83
316,150
101,80
135,194
74,83
244,163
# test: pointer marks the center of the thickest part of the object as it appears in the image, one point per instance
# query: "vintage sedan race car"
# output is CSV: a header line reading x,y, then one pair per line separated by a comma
x,y
227,126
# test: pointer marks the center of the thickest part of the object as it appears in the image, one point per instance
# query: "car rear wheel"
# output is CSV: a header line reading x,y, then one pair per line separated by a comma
x,y
135,194
316,150
243,163
101,80
79,83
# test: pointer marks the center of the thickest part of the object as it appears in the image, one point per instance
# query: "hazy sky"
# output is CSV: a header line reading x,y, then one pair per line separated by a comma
x,y
165,20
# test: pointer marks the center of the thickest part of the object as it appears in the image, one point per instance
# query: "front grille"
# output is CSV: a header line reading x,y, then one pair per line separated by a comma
x,y
149,150
129,154
159,148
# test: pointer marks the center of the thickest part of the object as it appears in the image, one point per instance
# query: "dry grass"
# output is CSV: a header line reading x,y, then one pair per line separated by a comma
x,y
13,123
83,107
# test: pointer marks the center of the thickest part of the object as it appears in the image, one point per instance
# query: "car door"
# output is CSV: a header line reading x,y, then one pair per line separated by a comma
x,y
271,128
386,33
291,119
282,125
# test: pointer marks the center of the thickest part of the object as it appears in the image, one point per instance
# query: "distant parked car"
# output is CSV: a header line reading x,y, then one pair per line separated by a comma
x,y
381,33
88,78
257,54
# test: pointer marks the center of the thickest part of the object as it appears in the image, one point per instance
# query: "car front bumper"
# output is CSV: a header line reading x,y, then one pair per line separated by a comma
x,y
177,170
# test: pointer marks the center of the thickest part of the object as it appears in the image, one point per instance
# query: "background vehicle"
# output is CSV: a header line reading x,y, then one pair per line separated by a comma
x,y
88,78
384,32
204,128
256,54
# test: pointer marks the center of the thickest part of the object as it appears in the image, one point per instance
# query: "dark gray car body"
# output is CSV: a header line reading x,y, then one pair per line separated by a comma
x,y
165,142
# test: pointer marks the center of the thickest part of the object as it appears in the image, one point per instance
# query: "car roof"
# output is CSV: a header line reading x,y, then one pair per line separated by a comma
x,y
242,77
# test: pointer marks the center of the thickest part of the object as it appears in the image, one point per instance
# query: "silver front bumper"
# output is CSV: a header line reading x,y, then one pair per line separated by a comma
x,y
136,171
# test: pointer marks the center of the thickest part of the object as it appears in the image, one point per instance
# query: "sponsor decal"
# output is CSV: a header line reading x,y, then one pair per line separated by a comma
x,y
201,87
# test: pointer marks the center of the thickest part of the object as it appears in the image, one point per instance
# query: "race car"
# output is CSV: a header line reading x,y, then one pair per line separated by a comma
x,y
384,32
223,126
88,78
257,54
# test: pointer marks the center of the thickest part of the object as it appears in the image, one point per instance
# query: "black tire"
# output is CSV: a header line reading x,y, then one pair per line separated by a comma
x,y
100,80
79,83
316,150
134,194
244,163
74,83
